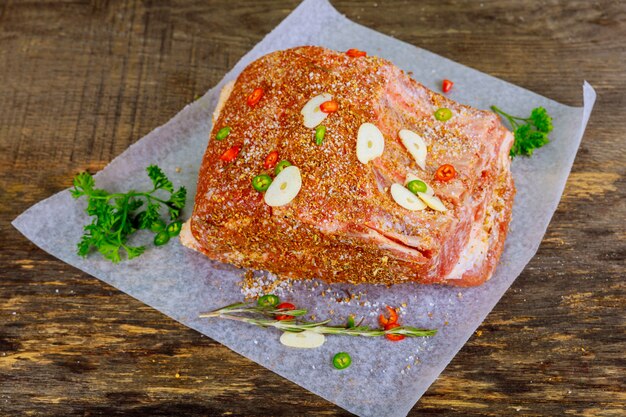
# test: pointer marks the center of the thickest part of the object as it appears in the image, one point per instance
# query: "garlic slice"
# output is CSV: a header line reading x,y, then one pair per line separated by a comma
x,y
405,198
412,177
370,143
415,145
304,340
432,201
284,188
313,116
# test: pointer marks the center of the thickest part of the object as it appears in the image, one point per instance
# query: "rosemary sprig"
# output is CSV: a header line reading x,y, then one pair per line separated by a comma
x,y
232,312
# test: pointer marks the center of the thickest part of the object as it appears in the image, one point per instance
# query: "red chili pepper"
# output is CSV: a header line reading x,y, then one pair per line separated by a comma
x,y
393,317
231,153
255,96
329,106
446,86
285,306
355,53
393,337
445,173
270,160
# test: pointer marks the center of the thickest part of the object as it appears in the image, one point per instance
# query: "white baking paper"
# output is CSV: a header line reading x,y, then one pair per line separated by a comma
x,y
385,379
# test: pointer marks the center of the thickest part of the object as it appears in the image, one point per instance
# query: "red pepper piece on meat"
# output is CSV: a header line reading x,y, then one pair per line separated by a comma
x,y
330,106
355,53
445,173
270,160
255,96
231,153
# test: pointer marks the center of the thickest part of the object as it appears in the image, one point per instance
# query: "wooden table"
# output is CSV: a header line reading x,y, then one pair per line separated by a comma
x,y
81,81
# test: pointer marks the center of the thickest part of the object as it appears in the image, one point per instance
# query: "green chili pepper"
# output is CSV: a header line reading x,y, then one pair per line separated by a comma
x,y
173,229
223,133
161,238
261,182
417,186
320,131
269,300
281,165
443,114
342,360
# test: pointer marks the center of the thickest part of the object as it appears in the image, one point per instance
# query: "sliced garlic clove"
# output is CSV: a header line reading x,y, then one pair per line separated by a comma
x,y
405,198
313,116
284,188
304,340
432,201
412,177
415,145
370,143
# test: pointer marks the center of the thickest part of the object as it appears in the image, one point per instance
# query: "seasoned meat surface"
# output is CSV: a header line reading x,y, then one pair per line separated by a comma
x,y
344,225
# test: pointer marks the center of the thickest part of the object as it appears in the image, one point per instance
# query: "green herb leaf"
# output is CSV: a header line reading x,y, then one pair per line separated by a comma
x,y
541,120
530,133
134,251
83,184
160,181
116,216
527,140
177,202
149,216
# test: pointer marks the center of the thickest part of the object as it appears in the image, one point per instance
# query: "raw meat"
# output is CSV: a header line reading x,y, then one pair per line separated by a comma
x,y
344,225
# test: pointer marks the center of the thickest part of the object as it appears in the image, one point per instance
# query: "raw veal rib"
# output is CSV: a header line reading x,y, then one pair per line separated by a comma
x,y
344,225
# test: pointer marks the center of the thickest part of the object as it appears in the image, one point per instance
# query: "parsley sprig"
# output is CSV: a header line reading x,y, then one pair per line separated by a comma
x,y
117,216
530,133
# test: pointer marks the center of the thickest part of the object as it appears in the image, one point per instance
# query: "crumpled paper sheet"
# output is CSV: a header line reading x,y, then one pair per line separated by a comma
x,y
182,283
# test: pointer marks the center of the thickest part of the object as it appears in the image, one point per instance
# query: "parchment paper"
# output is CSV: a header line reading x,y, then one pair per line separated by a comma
x,y
385,379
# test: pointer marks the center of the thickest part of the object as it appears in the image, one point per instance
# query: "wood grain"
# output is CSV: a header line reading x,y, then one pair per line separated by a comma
x,y
82,80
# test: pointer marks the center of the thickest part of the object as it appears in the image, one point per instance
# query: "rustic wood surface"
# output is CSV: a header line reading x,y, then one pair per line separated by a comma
x,y
82,80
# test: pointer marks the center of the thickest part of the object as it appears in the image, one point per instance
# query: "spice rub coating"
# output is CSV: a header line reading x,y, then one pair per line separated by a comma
x,y
344,226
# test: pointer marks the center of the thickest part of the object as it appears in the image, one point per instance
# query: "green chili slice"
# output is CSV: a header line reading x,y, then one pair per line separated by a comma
x,y
320,131
443,114
161,238
173,229
417,186
281,165
269,300
223,133
261,182
342,360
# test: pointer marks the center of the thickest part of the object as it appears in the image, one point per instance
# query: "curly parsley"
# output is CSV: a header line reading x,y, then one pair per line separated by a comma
x,y
530,133
117,216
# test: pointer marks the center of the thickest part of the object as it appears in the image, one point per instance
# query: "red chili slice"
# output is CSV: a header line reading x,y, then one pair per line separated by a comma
x,y
355,53
329,106
270,160
446,86
393,317
445,172
231,153
285,306
255,96
393,337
